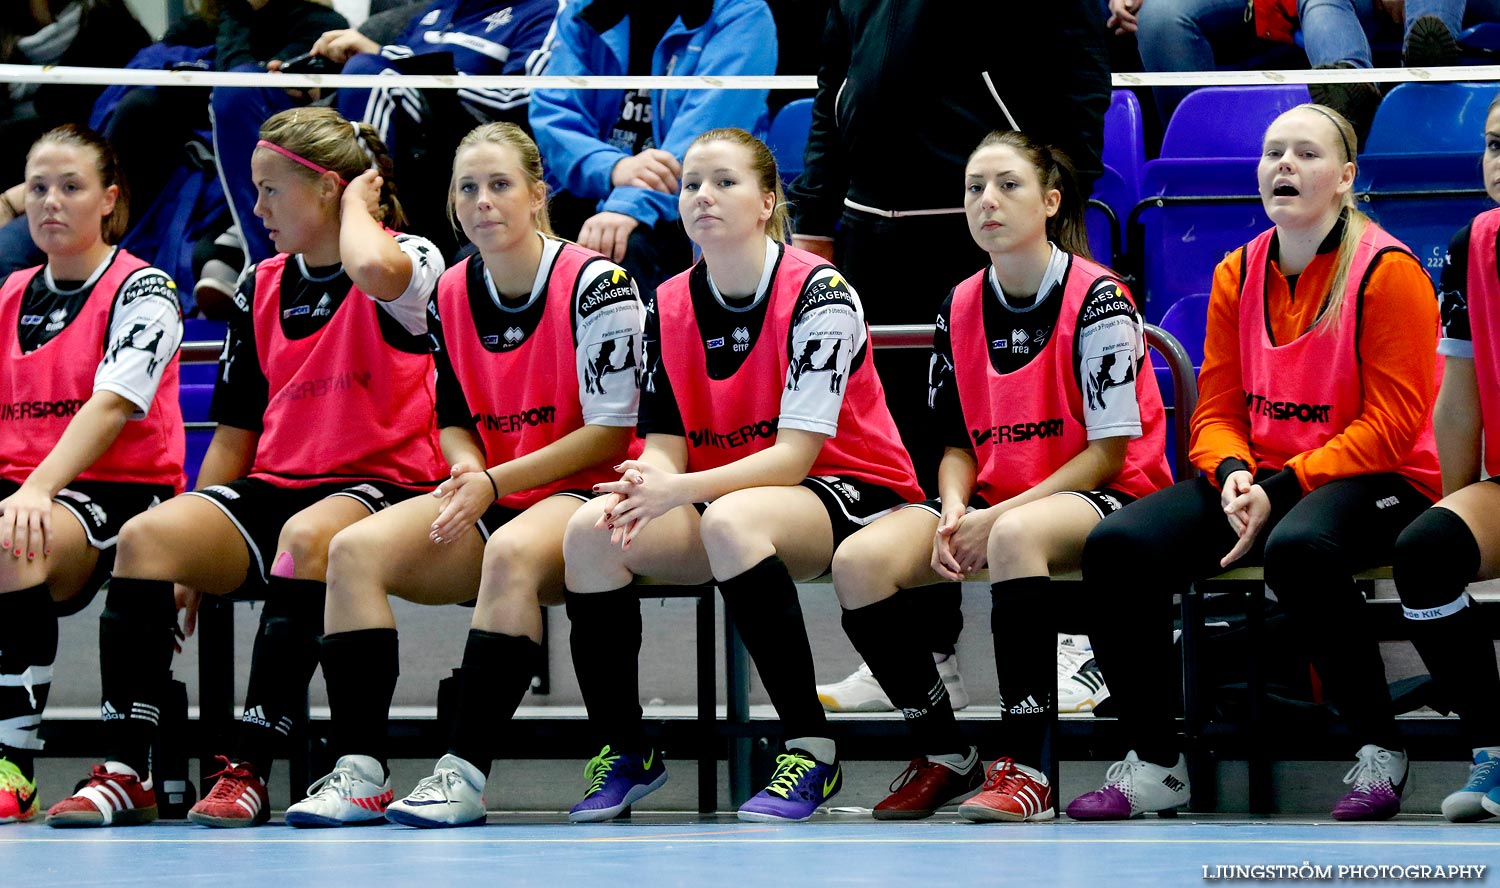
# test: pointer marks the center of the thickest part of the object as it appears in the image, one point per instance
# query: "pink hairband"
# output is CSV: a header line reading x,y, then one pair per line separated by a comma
x,y
297,158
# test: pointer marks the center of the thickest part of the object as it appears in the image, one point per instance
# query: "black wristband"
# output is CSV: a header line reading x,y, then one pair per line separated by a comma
x,y
493,486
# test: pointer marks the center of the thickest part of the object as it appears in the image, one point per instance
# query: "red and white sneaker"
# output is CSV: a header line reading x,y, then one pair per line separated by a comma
x,y
1012,793
107,799
238,799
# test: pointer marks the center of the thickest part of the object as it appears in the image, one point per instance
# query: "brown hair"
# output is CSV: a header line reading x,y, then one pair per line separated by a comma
x,y
112,229
768,177
1354,221
1054,170
322,136
531,164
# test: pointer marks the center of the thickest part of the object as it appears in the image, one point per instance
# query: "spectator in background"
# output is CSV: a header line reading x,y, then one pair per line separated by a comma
x,y
156,131
95,33
1432,28
898,234
1206,35
481,37
616,154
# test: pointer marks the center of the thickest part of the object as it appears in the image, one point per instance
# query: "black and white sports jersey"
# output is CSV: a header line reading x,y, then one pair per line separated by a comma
x,y
827,332
145,327
309,297
1457,338
606,309
1018,331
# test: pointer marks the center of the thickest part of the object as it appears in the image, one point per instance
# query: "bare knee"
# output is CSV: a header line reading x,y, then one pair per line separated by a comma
x,y
141,550
1010,541
588,556
510,561
862,574
732,547
303,549
352,552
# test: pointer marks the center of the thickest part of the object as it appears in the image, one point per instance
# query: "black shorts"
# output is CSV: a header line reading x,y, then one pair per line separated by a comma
x,y
497,516
852,504
102,507
258,509
1106,501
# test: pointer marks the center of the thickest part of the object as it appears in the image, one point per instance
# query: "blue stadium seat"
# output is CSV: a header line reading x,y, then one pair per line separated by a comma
x,y
195,400
788,137
1124,145
1187,321
1480,44
1227,121
1113,197
1199,198
1420,171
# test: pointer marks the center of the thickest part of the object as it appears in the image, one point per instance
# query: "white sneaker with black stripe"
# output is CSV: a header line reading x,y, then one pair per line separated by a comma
x,y
1080,686
452,796
356,793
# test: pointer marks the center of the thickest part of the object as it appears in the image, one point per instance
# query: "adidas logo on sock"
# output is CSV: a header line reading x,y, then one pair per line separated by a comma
x,y
109,713
1029,706
256,715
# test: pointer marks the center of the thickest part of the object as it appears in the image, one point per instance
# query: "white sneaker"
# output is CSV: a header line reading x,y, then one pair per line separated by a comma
x,y
860,692
354,794
452,796
1132,788
1080,686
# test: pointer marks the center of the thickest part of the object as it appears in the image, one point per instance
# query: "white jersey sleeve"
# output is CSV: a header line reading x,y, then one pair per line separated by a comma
x,y
608,320
144,333
1111,350
427,265
828,335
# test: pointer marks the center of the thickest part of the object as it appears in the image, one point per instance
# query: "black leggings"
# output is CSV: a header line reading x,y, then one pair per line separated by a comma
x,y
1136,559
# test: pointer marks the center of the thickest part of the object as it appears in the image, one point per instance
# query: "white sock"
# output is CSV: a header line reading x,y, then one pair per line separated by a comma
x,y
820,748
956,762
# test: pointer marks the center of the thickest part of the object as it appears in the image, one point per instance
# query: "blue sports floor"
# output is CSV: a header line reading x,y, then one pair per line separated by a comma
x,y
659,849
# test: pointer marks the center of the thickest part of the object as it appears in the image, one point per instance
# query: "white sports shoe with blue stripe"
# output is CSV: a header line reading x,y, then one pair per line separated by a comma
x,y
452,796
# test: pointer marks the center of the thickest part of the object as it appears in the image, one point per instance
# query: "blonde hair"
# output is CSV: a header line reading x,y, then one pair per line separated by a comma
x,y
768,177
322,136
505,134
1054,170
1354,221
112,228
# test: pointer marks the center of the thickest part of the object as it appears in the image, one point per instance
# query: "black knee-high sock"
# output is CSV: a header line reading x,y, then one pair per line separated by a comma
x,y
883,634
1023,620
135,662
496,673
286,654
28,645
763,602
1436,558
605,637
361,668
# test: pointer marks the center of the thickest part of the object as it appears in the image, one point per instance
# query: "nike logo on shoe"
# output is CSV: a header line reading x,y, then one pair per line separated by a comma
x,y
650,760
23,801
831,782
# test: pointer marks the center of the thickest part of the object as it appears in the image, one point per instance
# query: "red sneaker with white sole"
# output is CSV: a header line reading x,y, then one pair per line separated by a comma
x,y
1012,793
238,799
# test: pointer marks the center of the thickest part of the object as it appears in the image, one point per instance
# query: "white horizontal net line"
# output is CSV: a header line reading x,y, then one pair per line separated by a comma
x,y
145,77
